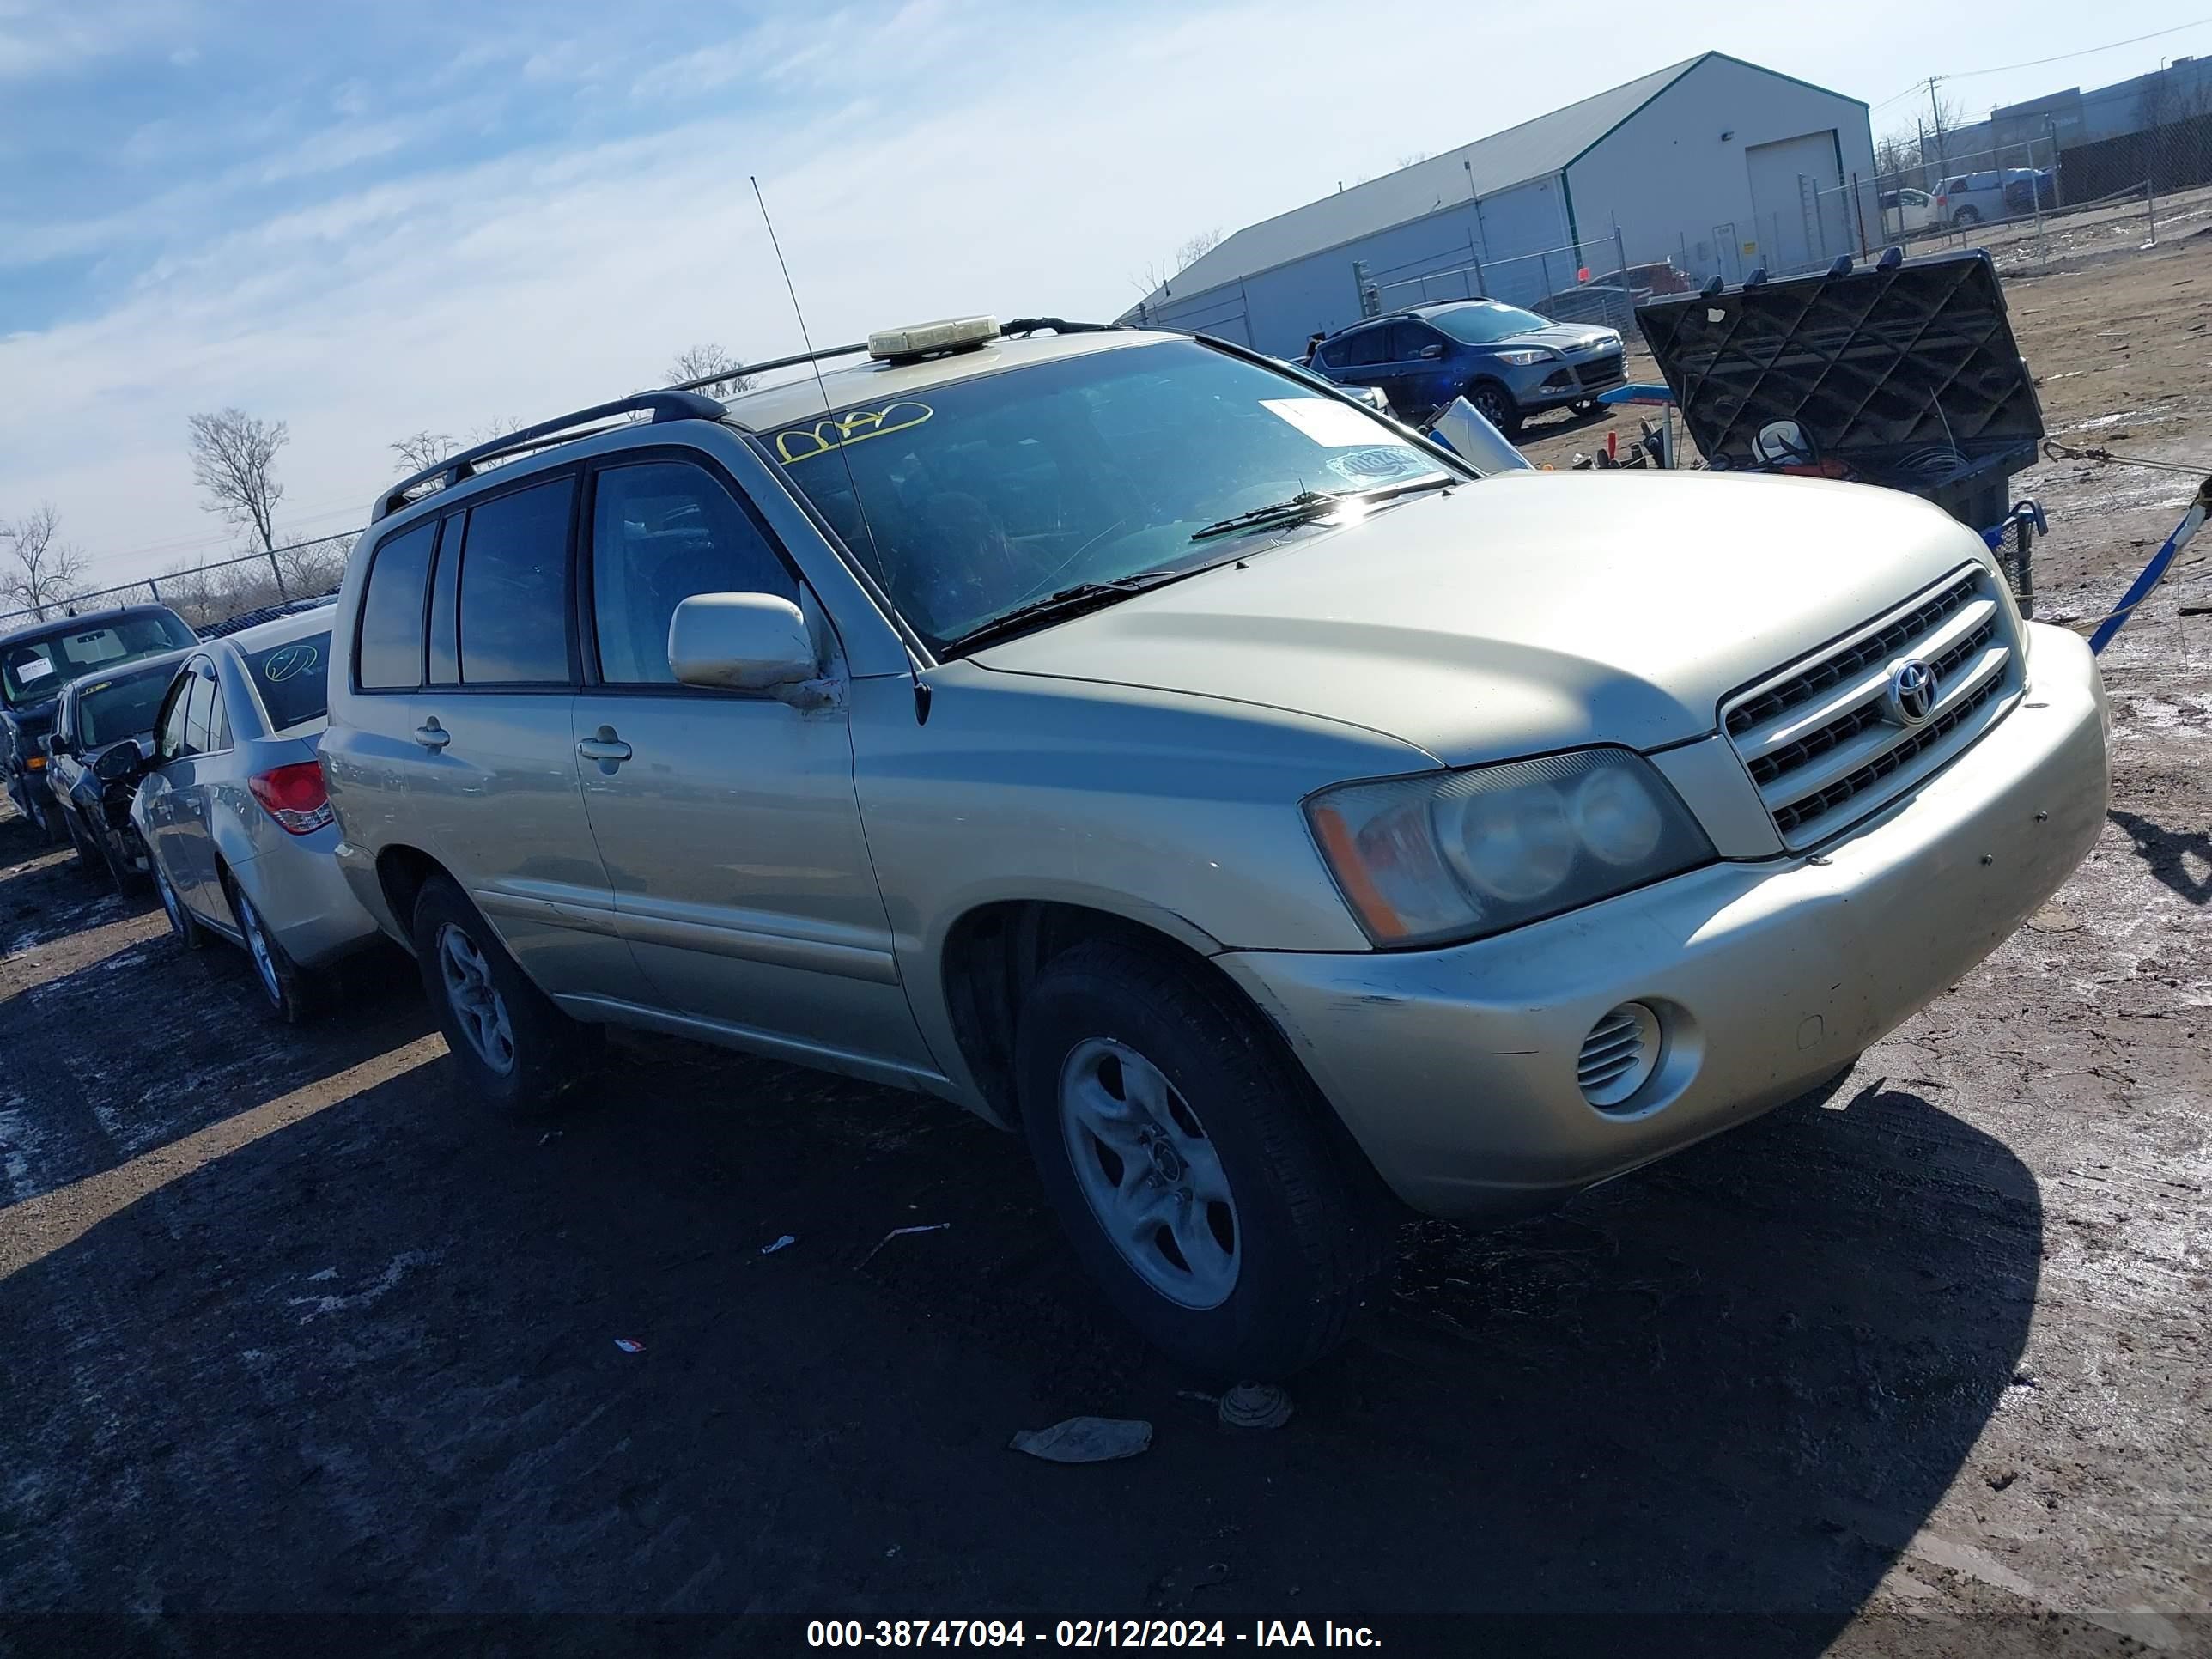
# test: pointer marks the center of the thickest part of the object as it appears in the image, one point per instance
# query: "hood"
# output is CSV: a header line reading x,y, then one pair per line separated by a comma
x,y
34,720
1528,612
1560,336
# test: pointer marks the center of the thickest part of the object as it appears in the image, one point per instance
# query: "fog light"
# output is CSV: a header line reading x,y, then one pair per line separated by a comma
x,y
1618,1055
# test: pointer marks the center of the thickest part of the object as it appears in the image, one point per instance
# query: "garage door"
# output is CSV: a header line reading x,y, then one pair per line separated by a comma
x,y
1790,232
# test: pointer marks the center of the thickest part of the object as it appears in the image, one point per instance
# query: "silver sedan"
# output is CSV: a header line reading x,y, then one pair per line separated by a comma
x,y
232,810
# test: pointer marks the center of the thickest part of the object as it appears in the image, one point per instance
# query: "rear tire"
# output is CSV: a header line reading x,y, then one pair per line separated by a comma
x,y
1206,1197
512,1047
288,989
1967,216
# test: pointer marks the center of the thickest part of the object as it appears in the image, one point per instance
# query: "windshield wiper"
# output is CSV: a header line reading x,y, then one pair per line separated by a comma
x,y
1313,503
1306,504
1065,603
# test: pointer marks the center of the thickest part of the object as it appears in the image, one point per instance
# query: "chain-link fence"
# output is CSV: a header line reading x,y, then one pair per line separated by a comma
x,y
212,591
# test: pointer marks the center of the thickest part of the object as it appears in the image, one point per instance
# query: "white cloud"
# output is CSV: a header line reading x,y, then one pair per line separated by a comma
x,y
928,162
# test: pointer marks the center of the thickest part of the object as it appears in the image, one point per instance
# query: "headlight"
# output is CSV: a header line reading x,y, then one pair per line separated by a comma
x,y
1524,359
1460,854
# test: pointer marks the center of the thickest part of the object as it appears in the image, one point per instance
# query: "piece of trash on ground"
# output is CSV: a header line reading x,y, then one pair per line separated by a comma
x,y
899,1232
1086,1440
629,1345
781,1243
550,1134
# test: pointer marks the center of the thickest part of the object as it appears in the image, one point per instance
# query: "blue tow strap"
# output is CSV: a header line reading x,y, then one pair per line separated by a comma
x,y
2154,572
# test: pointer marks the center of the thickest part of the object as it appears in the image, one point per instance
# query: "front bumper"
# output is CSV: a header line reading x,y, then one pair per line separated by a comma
x,y
1455,1069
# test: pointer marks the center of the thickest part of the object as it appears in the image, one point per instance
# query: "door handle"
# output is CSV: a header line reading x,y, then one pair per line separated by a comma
x,y
432,736
605,747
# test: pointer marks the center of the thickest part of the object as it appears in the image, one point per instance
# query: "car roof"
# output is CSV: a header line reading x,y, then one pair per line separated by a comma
x,y
83,621
873,381
130,670
283,629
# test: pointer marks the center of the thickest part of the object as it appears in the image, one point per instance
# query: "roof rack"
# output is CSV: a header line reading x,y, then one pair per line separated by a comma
x,y
735,369
670,405
680,402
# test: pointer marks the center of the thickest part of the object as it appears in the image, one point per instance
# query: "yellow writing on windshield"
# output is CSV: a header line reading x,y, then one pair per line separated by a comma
x,y
799,443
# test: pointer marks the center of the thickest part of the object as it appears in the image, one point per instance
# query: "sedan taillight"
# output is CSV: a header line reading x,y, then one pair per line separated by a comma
x,y
293,795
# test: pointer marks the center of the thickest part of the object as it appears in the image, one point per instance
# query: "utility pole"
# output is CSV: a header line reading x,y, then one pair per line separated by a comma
x,y
1935,111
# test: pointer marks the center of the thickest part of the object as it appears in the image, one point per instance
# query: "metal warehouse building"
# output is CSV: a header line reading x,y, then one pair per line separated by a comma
x,y
1717,164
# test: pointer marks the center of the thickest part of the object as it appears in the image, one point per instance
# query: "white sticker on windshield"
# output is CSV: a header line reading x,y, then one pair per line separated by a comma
x,y
37,669
1329,423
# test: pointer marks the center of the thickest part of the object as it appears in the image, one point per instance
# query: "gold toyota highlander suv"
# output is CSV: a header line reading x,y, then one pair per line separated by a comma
x,y
1173,760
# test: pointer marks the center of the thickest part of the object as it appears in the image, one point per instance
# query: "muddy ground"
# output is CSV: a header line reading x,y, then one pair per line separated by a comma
x,y
1920,1365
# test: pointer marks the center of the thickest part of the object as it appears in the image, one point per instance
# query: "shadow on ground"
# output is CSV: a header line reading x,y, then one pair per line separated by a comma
x,y
370,1363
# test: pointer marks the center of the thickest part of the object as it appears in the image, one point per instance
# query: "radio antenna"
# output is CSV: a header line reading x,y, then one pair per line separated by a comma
x,y
852,479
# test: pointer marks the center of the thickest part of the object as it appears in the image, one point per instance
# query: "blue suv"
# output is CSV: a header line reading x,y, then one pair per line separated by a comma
x,y
1508,362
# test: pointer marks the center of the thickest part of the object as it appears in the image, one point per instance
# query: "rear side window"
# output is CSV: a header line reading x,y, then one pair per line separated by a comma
x,y
514,587
292,679
199,714
1366,347
390,654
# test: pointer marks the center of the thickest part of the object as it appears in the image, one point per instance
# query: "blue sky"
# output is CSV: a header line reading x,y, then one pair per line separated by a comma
x,y
366,220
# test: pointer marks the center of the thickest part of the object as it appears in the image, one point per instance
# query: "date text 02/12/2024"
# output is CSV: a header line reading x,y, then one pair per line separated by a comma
x,y
1078,1634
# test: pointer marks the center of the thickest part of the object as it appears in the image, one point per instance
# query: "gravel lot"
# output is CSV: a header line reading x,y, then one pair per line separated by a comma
x,y
1920,1365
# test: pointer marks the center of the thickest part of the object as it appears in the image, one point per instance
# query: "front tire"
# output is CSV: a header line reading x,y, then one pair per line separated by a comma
x,y
1496,405
1189,1162
511,1046
183,926
89,858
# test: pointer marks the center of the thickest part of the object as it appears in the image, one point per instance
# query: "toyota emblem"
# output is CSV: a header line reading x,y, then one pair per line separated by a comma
x,y
1911,695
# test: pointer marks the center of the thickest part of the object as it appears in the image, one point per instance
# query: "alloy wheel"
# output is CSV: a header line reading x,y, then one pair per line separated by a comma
x,y
476,1003
1154,1179
257,943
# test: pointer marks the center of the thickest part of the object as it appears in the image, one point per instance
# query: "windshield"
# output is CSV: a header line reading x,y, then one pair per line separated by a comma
x,y
30,671
1486,325
109,710
293,679
985,494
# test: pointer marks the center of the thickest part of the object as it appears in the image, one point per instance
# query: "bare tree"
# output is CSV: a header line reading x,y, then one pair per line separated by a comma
x,y
1895,155
43,570
419,451
234,458
1192,249
1412,156
696,362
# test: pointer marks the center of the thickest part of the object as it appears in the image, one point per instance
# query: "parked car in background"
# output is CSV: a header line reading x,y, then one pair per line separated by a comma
x,y
1592,303
1661,276
232,804
1906,210
2027,192
38,659
1969,198
1508,362
94,714
1257,808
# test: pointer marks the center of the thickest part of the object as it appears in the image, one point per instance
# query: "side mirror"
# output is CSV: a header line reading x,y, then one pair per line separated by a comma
x,y
740,642
1432,350
119,762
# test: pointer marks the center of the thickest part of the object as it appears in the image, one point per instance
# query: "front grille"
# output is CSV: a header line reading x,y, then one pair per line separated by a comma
x,y
1817,736
1600,372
